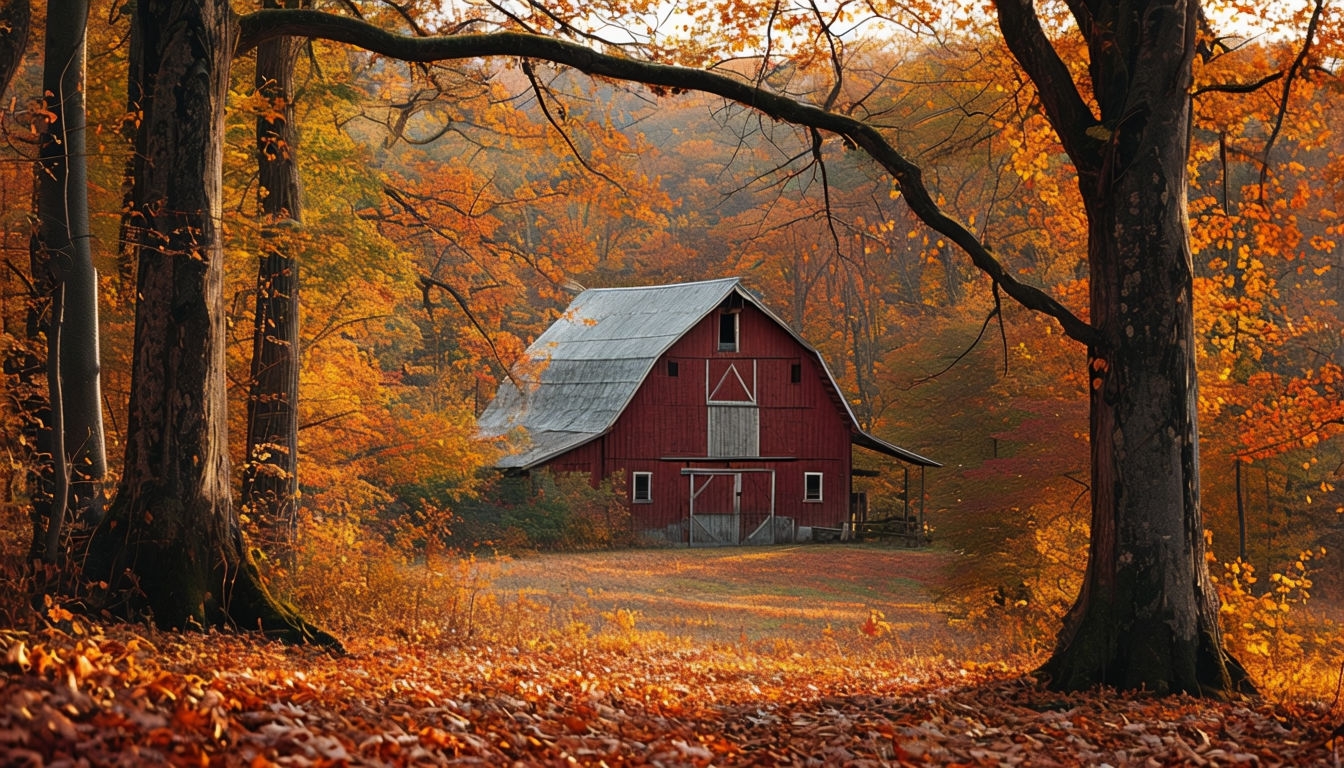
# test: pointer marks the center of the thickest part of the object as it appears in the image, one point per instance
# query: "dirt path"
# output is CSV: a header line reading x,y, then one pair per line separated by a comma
x,y
744,593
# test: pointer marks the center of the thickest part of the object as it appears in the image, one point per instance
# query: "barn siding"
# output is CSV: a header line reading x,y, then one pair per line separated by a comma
x,y
586,458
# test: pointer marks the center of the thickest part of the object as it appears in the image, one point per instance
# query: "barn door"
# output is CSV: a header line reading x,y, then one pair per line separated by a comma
x,y
756,509
714,513
734,430
733,508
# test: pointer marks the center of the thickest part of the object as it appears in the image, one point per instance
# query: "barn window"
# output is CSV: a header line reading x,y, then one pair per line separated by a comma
x,y
728,331
641,489
811,486
672,368
795,373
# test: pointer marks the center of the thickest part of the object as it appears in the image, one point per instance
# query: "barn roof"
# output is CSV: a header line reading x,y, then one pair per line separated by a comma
x,y
581,373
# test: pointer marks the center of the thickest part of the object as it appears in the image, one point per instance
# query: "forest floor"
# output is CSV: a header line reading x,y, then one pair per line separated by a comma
x,y
813,656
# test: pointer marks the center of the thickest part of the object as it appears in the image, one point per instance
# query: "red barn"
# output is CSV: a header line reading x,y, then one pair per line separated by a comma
x,y
727,426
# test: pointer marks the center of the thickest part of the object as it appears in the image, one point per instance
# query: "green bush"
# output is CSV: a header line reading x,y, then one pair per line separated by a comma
x,y
540,511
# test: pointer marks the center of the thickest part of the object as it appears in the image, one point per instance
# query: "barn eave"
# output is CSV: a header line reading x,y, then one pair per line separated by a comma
x,y
878,445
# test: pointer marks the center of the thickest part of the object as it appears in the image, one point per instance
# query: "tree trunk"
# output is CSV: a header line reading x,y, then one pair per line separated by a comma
x,y
171,539
1241,512
28,365
64,254
270,474
1147,615
15,22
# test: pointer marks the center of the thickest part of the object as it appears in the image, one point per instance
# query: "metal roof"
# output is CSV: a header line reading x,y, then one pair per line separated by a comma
x,y
579,375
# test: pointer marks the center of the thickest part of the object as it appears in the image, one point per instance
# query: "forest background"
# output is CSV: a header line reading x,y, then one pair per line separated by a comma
x,y
450,213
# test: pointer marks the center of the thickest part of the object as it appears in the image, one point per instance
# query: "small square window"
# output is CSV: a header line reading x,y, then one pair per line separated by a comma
x,y
728,331
795,373
641,487
811,486
672,368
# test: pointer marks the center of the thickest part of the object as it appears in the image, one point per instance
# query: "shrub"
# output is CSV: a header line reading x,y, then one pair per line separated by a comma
x,y
355,581
545,511
1269,628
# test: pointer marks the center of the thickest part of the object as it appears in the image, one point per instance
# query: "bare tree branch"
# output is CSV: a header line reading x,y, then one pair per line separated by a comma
x,y
327,419
837,68
1250,87
404,11
1288,90
993,313
550,118
764,69
427,282
1003,330
825,190
1058,93
400,197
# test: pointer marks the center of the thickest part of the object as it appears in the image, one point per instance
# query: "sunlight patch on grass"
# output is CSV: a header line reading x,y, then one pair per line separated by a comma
x,y
799,599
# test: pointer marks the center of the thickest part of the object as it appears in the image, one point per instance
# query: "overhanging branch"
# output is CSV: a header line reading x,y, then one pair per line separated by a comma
x,y
262,25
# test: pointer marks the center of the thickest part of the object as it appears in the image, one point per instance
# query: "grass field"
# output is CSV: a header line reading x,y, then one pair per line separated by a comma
x,y
744,594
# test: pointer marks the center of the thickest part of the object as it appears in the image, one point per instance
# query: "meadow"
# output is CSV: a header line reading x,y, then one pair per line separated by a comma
x,y
790,594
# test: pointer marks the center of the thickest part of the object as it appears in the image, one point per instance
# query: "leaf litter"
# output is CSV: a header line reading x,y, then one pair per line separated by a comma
x,y
127,696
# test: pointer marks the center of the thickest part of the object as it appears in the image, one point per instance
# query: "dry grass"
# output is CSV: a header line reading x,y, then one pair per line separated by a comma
x,y
797,594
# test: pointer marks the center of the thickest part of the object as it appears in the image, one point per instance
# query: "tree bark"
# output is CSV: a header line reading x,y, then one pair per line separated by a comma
x,y
1241,512
79,460
1147,615
28,364
270,474
171,541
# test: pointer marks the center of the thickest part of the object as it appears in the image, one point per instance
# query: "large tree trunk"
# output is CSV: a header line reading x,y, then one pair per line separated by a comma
x,y
172,537
270,474
1147,615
